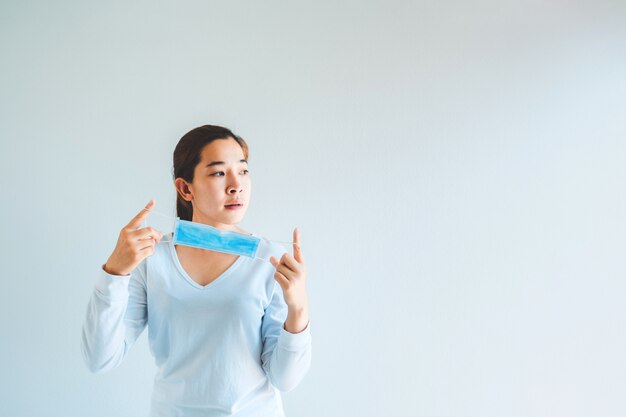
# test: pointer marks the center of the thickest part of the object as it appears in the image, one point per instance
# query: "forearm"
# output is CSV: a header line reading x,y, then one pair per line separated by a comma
x,y
297,319
103,332
116,314
288,358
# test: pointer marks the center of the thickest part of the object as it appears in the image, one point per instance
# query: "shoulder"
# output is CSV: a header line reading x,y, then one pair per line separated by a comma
x,y
162,257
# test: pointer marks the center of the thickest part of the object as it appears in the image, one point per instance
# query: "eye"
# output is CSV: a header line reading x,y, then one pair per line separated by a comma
x,y
218,174
245,171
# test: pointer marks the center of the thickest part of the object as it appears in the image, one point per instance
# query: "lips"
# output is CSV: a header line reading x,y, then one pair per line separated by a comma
x,y
235,204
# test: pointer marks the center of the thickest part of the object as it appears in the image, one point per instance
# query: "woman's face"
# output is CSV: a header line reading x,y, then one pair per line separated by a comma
x,y
220,179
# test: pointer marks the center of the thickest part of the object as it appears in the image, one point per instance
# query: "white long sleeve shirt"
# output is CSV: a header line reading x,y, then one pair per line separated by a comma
x,y
220,349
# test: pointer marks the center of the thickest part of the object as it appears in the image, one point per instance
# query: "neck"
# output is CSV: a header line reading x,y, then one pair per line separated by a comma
x,y
204,220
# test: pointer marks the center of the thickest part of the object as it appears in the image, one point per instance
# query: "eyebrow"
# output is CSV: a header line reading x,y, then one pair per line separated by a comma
x,y
243,161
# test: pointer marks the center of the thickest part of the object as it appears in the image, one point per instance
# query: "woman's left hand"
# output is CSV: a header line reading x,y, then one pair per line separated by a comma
x,y
291,275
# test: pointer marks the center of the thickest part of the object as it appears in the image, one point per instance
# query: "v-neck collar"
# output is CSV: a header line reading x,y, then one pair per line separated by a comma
x,y
190,280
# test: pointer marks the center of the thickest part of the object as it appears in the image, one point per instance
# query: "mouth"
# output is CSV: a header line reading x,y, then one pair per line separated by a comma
x,y
234,206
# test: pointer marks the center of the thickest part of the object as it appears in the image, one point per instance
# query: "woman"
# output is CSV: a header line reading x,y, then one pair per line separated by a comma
x,y
228,333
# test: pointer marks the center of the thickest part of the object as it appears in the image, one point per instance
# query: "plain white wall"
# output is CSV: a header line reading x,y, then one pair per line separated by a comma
x,y
457,170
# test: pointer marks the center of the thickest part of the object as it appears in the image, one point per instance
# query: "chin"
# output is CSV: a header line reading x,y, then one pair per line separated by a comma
x,y
234,218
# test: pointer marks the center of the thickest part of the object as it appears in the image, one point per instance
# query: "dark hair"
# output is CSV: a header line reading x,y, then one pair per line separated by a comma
x,y
187,156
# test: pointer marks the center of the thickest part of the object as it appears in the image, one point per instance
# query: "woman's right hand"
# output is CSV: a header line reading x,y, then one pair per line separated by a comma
x,y
133,244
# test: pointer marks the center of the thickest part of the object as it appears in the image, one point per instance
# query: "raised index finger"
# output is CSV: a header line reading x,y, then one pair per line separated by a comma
x,y
297,252
136,222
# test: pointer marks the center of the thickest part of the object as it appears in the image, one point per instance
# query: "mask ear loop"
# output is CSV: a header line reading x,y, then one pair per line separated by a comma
x,y
160,214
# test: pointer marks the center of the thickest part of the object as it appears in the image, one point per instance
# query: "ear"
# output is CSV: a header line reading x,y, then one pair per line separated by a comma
x,y
183,188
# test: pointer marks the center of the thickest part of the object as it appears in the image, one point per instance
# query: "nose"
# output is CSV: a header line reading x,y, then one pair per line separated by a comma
x,y
235,187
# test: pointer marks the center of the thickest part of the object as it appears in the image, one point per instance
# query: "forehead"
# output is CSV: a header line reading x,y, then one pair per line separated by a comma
x,y
227,150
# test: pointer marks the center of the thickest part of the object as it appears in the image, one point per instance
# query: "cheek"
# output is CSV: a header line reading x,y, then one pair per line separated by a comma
x,y
211,188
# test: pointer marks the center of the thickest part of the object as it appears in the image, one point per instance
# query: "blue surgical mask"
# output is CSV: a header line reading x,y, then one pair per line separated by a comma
x,y
203,236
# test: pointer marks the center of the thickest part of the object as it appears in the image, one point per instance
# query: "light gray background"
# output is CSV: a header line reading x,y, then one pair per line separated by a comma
x,y
457,170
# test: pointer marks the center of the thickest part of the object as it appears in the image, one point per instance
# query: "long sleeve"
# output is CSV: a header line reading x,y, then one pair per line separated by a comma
x,y
286,356
116,316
